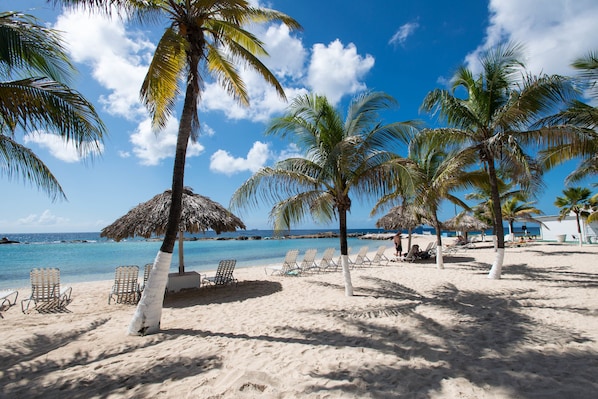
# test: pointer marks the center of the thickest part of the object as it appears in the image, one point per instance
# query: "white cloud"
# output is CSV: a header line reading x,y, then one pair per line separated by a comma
x,y
118,58
222,162
403,33
336,70
554,32
61,149
286,60
46,219
152,148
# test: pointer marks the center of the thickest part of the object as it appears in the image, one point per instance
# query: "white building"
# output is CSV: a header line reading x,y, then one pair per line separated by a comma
x,y
552,228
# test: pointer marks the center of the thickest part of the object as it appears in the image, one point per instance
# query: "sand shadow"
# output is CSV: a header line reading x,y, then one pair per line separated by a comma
x,y
215,294
23,368
486,347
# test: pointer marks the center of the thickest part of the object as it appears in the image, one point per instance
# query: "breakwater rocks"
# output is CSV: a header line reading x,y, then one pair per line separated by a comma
x,y
328,234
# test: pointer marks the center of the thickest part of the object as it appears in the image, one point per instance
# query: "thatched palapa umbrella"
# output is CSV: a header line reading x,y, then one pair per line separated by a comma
x,y
198,215
401,217
466,223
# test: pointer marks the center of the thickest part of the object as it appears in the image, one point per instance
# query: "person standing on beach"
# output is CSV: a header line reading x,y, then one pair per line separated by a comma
x,y
398,244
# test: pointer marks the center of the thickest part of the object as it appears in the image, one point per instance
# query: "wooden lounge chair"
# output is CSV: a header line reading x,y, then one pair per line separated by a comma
x,y
308,263
126,287
327,263
8,298
46,294
379,257
289,266
224,274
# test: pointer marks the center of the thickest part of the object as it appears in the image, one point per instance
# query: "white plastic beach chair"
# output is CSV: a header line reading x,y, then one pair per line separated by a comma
x,y
126,287
327,263
289,265
379,257
46,294
224,274
308,264
361,259
8,298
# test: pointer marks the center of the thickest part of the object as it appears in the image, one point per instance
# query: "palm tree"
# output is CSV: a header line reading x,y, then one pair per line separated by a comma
x,y
435,175
577,200
341,158
206,34
39,99
516,208
494,119
583,144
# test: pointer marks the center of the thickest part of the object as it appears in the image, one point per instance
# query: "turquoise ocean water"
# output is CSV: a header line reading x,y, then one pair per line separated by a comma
x,y
88,257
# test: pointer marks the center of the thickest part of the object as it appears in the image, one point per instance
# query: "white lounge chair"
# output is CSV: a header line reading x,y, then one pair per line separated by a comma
x,y
361,259
327,263
46,294
308,264
125,288
8,298
379,257
224,274
410,256
289,265
146,272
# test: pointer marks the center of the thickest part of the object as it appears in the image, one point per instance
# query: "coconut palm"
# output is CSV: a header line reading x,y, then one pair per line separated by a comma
x,y
491,114
340,158
584,144
516,208
34,95
577,200
206,35
436,175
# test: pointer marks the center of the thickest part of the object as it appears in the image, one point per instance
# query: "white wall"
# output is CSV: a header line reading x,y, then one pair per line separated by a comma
x,y
567,226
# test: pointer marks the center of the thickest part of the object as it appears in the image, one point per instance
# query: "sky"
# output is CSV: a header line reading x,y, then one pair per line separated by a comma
x,y
405,49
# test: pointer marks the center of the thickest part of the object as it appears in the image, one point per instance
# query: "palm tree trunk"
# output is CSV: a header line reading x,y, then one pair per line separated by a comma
x,y
578,229
496,269
146,319
342,217
439,258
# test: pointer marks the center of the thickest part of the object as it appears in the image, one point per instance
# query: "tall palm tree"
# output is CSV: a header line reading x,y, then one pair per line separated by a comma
x,y
206,35
577,200
34,95
340,158
436,174
494,120
516,208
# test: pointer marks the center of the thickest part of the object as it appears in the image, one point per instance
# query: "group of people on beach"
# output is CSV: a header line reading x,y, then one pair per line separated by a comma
x,y
417,252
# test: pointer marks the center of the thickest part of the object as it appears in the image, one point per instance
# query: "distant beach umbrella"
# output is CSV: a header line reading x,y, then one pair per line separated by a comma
x,y
401,217
199,214
466,223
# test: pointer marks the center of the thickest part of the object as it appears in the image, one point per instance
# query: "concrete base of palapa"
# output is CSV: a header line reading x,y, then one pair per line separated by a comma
x,y
178,282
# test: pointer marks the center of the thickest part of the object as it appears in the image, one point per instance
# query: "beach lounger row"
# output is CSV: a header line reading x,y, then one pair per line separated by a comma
x,y
308,264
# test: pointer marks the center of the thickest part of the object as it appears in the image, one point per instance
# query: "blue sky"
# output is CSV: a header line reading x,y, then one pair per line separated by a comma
x,y
405,49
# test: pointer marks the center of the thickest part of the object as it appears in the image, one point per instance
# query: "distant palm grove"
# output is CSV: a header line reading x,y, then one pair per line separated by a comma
x,y
500,128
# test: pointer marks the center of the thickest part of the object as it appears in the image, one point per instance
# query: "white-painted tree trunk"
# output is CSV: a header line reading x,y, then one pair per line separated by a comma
x,y
496,269
439,259
146,319
346,275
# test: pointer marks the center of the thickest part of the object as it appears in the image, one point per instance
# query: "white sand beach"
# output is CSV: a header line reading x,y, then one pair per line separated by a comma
x,y
410,331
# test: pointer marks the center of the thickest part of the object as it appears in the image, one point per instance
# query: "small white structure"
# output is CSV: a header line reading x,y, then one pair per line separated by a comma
x,y
552,228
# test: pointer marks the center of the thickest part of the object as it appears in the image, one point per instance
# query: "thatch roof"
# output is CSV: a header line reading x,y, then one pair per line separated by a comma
x,y
198,215
465,222
399,218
